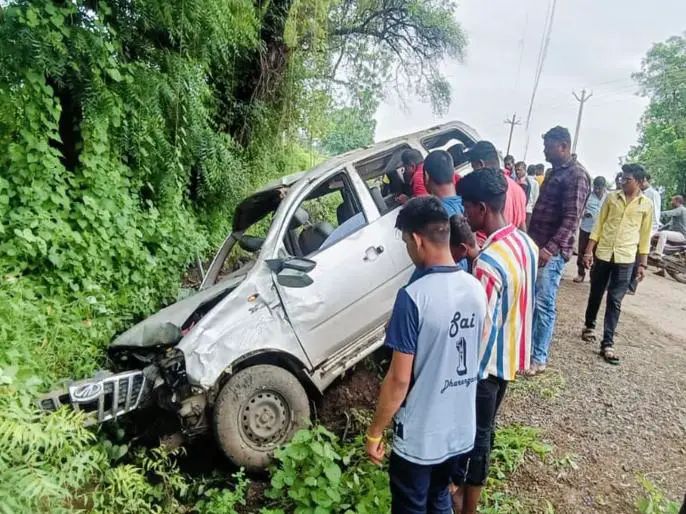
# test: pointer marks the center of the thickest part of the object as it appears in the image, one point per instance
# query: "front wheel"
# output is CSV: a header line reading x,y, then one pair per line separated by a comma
x,y
258,410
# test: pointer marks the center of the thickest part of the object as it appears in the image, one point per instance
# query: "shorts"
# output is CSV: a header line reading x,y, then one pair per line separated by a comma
x,y
422,489
490,392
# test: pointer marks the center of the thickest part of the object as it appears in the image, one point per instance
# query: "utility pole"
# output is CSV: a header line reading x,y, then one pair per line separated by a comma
x,y
581,101
511,122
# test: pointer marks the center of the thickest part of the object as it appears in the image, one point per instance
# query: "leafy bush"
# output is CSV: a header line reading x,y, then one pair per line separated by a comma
x,y
224,501
316,474
654,501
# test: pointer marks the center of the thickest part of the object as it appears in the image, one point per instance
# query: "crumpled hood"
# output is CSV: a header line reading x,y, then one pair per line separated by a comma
x,y
164,327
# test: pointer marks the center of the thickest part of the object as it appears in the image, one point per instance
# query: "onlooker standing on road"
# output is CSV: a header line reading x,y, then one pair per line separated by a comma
x,y
527,177
654,196
540,173
591,211
554,223
675,229
435,331
484,155
624,224
509,165
506,268
439,177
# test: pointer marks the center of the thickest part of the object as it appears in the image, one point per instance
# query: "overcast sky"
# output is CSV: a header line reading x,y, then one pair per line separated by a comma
x,y
596,44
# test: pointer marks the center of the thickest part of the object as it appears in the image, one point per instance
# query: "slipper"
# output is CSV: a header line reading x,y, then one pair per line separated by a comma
x,y
609,356
579,279
588,335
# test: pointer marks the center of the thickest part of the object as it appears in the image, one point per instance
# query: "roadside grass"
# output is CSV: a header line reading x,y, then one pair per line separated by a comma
x,y
654,500
548,385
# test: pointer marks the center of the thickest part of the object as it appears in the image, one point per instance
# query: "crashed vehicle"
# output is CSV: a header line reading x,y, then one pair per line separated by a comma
x,y
277,318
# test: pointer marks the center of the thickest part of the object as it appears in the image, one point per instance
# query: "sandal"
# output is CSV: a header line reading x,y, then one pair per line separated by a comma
x,y
609,356
534,369
578,279
588,335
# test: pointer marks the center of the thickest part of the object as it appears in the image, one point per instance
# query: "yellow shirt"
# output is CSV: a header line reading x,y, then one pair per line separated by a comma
x,y
539,179
621,227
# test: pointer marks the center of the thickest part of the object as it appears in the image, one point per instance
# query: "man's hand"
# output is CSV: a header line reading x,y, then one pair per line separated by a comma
x,y
640,272
543,257
376,450
588,260
401,199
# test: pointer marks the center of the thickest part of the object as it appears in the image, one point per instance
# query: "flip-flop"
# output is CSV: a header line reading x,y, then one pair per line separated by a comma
x,y
609,356
588,335
578,280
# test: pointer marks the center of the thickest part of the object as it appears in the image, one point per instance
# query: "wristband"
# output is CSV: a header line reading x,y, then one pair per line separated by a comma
x,y
373,439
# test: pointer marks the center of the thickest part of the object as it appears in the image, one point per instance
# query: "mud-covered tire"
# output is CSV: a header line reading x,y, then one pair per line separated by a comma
x,y
256,411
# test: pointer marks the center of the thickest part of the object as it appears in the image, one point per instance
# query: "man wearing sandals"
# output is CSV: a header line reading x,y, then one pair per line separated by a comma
x,y
553,227
506,268
624,223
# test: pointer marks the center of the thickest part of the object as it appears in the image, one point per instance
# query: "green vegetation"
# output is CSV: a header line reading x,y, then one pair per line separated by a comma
x,y
654,501
662,143
130,130
548,385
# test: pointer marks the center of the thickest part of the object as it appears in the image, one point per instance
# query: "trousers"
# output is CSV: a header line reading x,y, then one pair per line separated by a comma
x,y
613,278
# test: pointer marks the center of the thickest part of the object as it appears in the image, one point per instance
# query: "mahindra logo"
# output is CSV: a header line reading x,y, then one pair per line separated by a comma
x,y
86,392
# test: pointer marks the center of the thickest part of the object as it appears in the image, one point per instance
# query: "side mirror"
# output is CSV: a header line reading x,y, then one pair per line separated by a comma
x,y
293,263
293,278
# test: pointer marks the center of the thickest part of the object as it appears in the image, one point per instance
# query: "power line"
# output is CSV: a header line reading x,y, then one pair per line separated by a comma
x,y
543,51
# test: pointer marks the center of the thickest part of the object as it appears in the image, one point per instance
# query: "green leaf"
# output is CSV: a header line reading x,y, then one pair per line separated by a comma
x,y
114,74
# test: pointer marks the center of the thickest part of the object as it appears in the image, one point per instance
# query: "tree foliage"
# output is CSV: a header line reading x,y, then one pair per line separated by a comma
x,y
662,143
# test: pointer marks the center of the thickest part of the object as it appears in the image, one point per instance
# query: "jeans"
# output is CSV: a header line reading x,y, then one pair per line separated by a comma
x,y
421,489
547,285
490,392
614,278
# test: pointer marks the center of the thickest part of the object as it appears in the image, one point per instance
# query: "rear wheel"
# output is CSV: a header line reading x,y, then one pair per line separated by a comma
x,y
258,410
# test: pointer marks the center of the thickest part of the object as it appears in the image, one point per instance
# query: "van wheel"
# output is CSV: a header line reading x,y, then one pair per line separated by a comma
x,y
258,410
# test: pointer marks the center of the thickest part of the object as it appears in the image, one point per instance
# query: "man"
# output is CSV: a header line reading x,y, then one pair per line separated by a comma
x,y
526,179
439,177
506,268
654,196
624,223
509,164
675,229
413,166
554,223
595,200
484,155
429,391
462,241
540,173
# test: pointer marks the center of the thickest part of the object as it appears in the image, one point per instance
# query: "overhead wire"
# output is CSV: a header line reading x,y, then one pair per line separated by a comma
x,y
543,51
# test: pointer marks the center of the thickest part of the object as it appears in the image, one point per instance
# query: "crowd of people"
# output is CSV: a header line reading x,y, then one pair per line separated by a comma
x,y
480,308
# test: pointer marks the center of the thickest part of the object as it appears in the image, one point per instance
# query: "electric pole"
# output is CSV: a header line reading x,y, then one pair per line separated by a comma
x,y
581,101
511,122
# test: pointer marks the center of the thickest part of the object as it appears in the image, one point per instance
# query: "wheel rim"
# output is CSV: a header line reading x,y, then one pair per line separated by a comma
x,y
264,420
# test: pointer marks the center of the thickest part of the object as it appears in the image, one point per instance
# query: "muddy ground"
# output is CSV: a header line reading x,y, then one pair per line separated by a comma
x,y
607,424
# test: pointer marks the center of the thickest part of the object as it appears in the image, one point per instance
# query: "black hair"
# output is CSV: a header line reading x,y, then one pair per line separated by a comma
x,y
531,170
559,135
425,215
487,185
520,163
599,181
439,166
485,152
411,157
509,158
635,170
461,232
540,167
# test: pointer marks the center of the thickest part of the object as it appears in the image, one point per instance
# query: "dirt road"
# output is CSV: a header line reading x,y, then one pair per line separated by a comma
x,y
609,424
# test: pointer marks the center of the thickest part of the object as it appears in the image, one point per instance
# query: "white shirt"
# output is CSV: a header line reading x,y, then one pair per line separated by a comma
x,y
654,196
534,190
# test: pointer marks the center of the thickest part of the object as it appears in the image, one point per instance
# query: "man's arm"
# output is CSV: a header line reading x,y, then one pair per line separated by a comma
x,y
644,243
572,208
393,392
401,337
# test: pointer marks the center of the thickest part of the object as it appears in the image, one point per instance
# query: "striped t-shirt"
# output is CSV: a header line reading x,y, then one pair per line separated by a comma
x,y
507,267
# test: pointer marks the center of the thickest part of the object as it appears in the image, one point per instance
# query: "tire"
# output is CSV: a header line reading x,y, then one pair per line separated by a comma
x,y
258,410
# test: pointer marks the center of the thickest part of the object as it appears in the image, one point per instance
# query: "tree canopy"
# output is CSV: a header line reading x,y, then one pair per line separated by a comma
x,y
662,142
